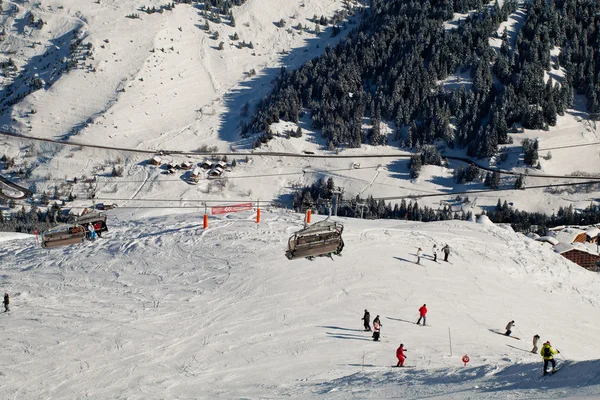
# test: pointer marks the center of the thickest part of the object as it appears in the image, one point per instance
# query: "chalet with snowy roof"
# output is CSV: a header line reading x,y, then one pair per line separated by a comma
x,y
156,160
172,165
580,253
186,165
570,235
206,164
593,234
215,172
220,164
195,175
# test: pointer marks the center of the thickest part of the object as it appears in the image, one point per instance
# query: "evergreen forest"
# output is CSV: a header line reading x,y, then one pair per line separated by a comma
x,y
390,68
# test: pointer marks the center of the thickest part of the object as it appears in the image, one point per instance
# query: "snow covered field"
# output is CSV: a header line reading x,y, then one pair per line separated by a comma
x,y
160,308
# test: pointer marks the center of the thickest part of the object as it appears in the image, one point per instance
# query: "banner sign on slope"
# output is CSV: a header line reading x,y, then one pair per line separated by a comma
x,y
231,208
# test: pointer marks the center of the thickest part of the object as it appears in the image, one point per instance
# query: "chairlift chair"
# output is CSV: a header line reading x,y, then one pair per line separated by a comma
x,y
63,235
320,239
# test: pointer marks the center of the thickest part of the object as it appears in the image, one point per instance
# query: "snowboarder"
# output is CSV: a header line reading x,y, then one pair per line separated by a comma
x,y
377,321
400,355
6,302
367,319
434,250
548,353
509,328
422,314
446,250
419,254
535,342
376,328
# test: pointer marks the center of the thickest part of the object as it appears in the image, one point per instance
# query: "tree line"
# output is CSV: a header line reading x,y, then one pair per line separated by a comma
x,y
320,197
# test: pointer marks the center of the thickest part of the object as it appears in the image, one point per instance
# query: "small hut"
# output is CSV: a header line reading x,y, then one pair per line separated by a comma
x,y
215,172
195,175
206,164
186,165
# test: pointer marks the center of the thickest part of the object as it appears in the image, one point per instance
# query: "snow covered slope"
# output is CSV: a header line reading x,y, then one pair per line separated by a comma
x,y
160,308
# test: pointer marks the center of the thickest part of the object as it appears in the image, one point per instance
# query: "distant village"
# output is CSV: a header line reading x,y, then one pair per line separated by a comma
x,y
195,172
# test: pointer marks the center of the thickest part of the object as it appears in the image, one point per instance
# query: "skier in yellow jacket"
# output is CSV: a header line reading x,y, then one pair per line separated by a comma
x,y
548,353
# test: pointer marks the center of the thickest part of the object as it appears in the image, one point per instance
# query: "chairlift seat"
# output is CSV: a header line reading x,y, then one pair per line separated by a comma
x,y
321,239
63,235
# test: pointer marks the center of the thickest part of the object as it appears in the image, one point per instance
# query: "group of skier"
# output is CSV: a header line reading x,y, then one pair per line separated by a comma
x,y
547,351
376,325
377,330
434,250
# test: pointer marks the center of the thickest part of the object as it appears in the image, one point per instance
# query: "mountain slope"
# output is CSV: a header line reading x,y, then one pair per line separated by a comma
x,y
160,307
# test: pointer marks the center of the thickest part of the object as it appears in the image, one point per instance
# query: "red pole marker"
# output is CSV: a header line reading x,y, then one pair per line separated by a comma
x,y
466,359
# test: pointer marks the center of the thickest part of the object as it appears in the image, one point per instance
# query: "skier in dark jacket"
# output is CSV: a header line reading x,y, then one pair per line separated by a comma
x,y
446,250
376,320
6,302
376,328
367,319
509,328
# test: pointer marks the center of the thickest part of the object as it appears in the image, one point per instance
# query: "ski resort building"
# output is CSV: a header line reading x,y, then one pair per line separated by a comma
x,y
593,234
580,254
571,235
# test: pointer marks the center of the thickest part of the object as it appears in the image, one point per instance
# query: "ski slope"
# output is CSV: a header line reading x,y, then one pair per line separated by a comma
x,y
160,308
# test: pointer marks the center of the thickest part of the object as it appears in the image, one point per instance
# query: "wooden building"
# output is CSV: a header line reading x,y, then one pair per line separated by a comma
x,y
580,254
593,234
195,175
571,235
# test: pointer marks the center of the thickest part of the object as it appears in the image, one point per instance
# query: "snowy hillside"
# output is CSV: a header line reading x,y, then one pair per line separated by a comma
x,y
160,82
160,308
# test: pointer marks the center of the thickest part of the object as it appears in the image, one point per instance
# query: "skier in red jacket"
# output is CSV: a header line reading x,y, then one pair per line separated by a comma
x,y
422,314
400,355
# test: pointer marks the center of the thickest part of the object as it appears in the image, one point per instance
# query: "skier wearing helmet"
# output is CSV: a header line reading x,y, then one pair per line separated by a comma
x,y
548,353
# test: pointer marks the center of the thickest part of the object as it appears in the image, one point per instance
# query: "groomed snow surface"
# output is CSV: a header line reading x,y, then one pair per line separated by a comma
x,y
160,308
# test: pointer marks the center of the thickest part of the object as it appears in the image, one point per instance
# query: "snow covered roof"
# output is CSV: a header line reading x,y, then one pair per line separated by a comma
x,y
548,239
564,247
593,231
568,235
